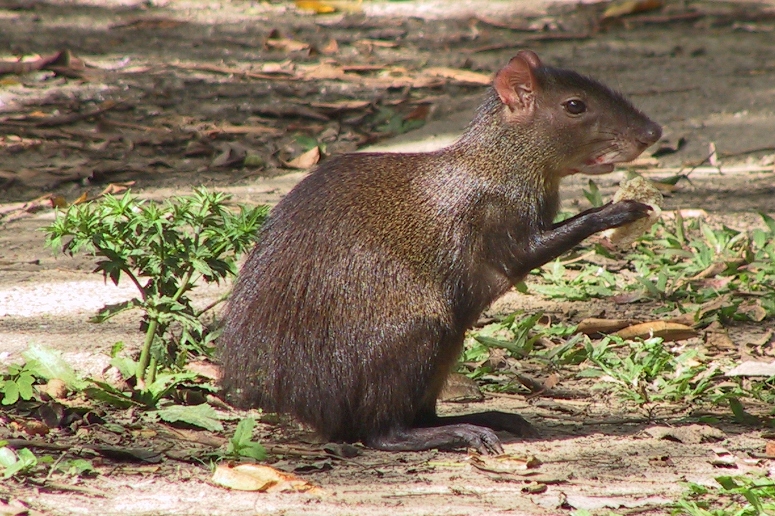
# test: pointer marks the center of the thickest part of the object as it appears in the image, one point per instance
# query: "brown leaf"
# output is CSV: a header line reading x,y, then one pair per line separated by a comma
x,y
719,340
753,309
286,44
340,106
668,331
305,160
459,388
420,112
255,477
769,449
62,62
466,77
231,154
505,464
619,9
592,325
330,48
116,188
690,434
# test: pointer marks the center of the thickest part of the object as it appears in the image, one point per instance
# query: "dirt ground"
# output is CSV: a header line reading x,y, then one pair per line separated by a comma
x,y
163,104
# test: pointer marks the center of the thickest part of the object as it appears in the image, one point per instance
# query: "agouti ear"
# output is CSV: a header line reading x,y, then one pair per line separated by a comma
x,y
516,82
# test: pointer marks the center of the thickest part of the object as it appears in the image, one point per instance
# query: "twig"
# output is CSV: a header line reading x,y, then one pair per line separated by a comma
x,y
53,466
65,119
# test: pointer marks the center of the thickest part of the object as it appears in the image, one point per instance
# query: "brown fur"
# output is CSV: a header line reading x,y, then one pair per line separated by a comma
x,y
352,308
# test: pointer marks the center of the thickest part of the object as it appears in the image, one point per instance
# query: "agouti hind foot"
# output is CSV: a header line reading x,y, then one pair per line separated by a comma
x,y
495,420
447,437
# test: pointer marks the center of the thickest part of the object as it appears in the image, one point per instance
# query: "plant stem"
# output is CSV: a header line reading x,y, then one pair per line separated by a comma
x,y
151,377
145,353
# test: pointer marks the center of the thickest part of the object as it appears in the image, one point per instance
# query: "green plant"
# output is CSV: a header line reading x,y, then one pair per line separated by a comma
x,y
648,372
17,384
242,445
22,462
561,283
164,249
593,195
734,496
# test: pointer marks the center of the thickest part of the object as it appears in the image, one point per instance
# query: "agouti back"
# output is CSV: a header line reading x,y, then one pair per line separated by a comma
x,y
351,310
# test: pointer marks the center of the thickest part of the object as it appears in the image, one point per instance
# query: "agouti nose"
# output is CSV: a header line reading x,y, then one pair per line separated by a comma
x,y
650,133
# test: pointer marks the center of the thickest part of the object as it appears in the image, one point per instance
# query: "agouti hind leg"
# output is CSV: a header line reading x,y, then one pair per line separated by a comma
x,y
446,437
492,419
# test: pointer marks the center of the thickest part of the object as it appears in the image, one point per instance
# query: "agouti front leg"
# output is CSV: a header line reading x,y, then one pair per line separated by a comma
x,y
565,235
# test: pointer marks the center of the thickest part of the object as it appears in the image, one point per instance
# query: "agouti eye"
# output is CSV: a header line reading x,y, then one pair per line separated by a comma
x,y
575,106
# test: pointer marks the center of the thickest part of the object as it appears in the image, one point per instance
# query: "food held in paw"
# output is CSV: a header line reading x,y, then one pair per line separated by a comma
x,y
642,190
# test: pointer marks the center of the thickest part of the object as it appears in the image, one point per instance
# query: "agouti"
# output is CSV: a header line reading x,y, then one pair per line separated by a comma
x,y
352,308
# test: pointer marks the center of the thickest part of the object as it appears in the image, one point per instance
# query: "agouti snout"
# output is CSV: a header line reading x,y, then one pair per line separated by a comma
x,y
352,308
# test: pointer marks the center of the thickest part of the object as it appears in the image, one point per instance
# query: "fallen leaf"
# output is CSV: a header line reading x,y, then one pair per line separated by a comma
x,y
62,62
330,48
667,331
116,188
231,154
460,76
690,434
286,44
769,449
458,388
305,160
619,9
255,477
315,6
505,463
753,368
592,325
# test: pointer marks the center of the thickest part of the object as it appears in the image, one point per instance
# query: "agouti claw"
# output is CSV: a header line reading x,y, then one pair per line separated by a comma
x,y
624,212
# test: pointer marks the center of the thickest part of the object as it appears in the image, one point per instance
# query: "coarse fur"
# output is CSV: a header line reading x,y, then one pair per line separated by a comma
x,y
352,308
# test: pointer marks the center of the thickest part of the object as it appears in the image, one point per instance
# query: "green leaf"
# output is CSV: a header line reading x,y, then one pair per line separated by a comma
x,y
25,382
107,393
48,364
242,444
203,416
108,311
10,392
7,457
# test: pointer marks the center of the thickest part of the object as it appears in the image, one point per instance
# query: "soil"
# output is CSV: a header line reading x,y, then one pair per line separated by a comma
x,y
163,75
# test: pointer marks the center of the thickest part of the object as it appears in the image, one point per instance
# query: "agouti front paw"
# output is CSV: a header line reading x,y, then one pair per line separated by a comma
x,y
623,212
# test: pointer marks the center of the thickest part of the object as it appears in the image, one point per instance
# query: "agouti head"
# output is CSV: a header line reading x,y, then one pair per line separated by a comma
x,y
579,124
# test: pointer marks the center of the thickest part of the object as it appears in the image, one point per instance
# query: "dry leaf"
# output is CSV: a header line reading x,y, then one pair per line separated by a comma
x,y
667,330
458,388
505,464
690,434
116,188
315,6
461,76
255,477
620,9
769,449
330,48
306,160
751,368
288,45
231,154
592,325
